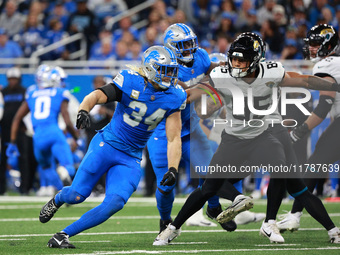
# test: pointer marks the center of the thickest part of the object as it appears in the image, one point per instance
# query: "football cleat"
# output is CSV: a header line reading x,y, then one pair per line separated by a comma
x,y
289,221
197,219
334,235
240,204
48,211
60,240
167,235
212,213
249,217
270,230
163,224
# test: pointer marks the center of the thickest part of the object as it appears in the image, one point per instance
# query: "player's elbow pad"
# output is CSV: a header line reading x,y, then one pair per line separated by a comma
x,y
324,106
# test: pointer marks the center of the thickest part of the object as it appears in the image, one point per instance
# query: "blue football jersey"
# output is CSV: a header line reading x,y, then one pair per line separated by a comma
x,y
190,76
44,105
140,110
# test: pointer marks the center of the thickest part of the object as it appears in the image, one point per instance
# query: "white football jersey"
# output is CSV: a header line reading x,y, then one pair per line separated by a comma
x,y
330,66
247,124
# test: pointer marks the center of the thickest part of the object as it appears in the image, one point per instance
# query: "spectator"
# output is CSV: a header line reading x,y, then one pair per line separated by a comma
x,y
290,50
122,51
222,45
31,38
266,11
105,52
105,9
11,20
205,44
104,33
54,35
125,24
243,14
14,95
8,48
82,21
226,25
271,35
251,22
58,12
316,10
136,50
150,38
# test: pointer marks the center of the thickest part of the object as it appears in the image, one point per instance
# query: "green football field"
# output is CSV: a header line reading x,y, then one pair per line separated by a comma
x,y
132,231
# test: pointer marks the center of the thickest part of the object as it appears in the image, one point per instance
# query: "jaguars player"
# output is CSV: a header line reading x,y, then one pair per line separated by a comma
x,y
241,143
194,64
321,45
145,98
45,101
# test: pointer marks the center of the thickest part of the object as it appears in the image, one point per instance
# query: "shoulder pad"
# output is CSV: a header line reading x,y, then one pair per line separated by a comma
x,y
273,70
128,80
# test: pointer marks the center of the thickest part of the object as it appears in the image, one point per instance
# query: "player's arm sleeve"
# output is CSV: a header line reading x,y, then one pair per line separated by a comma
x,y
112,92
324,106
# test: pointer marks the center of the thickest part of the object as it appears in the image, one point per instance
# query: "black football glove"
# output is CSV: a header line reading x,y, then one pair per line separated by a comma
x,y
169,177
299,132
83,119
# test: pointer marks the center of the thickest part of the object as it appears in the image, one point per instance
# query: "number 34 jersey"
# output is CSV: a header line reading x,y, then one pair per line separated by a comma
x,y
139,111
44,105
235,92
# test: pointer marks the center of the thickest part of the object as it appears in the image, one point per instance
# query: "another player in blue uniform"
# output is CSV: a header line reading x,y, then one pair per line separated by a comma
x,y
45,101
194,64
146,97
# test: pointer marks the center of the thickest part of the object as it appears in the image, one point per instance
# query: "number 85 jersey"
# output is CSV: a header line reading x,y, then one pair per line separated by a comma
x,y
236,92
139,111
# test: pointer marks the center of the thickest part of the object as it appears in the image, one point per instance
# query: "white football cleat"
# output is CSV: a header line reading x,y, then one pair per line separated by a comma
x,y
249,217
167,235
289,221
270,230
198,219
240,204
334,235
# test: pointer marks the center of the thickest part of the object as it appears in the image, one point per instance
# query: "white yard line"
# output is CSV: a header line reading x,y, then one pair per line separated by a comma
x,y
167,251
150,232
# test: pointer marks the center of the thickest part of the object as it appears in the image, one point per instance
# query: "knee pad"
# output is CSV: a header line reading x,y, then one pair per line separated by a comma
x,y
71,196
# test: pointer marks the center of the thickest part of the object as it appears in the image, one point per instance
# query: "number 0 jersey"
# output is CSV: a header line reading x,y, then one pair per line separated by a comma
x,y
44,105
247,125
140,110
329,66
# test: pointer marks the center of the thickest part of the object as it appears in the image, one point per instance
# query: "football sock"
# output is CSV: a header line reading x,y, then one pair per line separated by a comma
x,y
164,203
310,183
275,193
238,186
194,202
214,201
316,209
96,216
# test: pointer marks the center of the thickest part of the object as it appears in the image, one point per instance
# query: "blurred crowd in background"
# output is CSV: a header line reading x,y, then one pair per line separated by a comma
x,y
26,26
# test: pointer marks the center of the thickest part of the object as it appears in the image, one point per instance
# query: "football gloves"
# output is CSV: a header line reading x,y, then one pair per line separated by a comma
x,y
12,150
83,119
169,177
299,132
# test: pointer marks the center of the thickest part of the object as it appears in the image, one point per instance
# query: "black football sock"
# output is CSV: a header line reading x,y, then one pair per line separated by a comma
x,y
310,183
275,193
194,202
316,209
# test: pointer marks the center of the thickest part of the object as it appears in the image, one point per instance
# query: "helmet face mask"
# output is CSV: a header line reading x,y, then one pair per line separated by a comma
x,y
323,36
245,49
160,66
182,41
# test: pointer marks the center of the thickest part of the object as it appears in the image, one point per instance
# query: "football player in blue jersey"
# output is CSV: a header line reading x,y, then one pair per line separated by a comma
x,y
194,64
146,96
45,101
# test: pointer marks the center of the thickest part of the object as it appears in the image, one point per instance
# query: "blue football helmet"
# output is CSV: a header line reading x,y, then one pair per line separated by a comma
x,y
160,66
62,75
182,41
218,57
42,76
